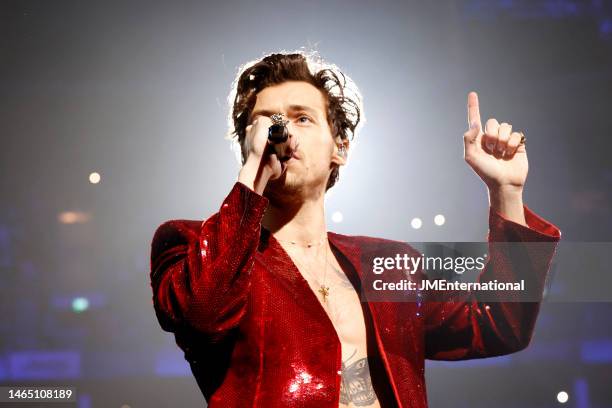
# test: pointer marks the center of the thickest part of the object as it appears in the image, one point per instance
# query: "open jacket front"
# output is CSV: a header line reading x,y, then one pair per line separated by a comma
x,y
255,334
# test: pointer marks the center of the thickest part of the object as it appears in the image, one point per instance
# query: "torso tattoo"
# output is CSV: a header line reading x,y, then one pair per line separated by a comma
x,y
356,384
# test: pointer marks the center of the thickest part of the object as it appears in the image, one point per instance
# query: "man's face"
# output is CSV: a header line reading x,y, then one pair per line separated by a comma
x,y
305,108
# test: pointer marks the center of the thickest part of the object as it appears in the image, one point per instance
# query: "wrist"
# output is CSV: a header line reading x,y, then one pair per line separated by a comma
x,y
506,193
508,201
254,175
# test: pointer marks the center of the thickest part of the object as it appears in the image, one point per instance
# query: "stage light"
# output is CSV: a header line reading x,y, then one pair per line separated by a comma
x,y
73,217
562,397
94,178
337,217
80,304
439,220
416,223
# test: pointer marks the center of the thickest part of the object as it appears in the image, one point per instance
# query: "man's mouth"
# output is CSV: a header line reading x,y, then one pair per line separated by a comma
x,y
293,155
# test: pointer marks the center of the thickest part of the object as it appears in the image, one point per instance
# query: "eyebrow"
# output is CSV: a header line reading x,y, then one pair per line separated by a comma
x,y
293,108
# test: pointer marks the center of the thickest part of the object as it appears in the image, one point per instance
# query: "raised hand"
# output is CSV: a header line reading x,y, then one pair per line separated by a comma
x,y
495,154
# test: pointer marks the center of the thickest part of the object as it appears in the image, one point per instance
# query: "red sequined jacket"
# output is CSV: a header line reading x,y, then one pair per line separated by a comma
x,y
255,335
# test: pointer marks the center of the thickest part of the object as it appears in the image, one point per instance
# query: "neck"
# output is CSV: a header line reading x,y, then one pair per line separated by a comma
x,y
302,221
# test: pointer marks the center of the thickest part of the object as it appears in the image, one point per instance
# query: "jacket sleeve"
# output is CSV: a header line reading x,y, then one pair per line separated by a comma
x,y
462,327
200,271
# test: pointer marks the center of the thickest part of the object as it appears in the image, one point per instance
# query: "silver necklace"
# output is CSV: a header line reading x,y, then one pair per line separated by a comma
x,y
306,245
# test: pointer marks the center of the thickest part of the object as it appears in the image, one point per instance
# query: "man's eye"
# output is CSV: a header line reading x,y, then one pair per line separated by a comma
x,y
304,117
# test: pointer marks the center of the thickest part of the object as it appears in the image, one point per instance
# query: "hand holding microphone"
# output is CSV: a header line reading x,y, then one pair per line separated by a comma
x,y
268,145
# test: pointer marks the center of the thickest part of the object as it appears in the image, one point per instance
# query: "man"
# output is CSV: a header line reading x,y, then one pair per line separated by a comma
x,y
264,301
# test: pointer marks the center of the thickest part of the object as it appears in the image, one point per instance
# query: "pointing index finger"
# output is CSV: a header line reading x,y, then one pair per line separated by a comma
x,y
473,109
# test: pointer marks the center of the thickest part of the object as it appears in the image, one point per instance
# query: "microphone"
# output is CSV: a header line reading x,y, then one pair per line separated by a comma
x,y
278,132
278,137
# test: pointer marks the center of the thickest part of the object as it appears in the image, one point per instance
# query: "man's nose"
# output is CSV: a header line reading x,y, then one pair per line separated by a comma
x,y
290,128
293,136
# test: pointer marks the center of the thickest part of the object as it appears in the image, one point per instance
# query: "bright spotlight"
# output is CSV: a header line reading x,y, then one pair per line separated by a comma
x,y
562,397
94,178
439,220
80,304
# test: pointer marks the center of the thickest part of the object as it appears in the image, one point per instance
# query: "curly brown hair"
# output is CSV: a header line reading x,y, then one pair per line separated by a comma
x,y
344,101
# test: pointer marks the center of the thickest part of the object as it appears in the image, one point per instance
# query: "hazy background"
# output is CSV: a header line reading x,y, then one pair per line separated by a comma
x,y
137,91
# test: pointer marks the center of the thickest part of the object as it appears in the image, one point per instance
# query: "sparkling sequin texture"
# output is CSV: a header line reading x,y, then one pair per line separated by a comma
x,y
255,334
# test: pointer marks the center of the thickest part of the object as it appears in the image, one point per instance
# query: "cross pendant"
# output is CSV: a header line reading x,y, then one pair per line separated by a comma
x,y
324,291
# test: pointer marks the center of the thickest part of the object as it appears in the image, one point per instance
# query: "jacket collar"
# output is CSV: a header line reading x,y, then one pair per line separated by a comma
x,y
348,247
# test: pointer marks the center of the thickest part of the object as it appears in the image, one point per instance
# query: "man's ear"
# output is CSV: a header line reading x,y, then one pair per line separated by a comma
x,y
341,148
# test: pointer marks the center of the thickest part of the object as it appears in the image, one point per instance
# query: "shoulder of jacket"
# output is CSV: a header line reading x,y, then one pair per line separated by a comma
x,y
171,240
175,232
171,228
